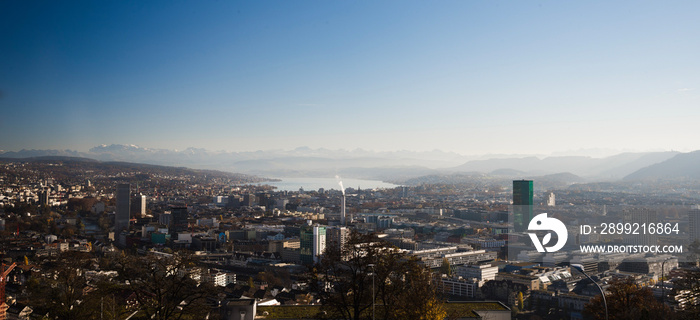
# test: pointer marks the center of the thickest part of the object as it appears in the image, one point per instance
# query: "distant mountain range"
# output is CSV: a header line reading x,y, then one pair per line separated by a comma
x,y
301,161
682,166
71,168
608,168
545,182
398,166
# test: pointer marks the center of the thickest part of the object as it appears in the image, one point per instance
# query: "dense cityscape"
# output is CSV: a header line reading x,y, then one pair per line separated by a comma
x,y
349,160
86,240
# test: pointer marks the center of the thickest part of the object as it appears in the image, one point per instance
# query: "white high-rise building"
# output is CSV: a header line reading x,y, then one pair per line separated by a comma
x,y
141,198
312,243
121,218
319,242
551,199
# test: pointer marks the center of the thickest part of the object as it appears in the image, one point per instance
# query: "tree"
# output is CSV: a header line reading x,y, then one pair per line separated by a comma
x,y
104,222
163,286
343,277
433,309
521,303
415,281
63,291
271,278
627,300
445,267
369,272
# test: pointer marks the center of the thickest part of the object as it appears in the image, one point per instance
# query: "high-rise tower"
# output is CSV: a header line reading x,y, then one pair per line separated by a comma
x,y
44,197
694,223
522,204
179,222
337,237
121,218
312,243
642,217
139,205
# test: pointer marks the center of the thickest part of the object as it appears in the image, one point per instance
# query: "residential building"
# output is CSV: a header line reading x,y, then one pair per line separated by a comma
x,y
337,236
458,286
480,272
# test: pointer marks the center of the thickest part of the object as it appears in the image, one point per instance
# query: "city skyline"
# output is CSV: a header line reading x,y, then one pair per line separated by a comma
x,y
465,77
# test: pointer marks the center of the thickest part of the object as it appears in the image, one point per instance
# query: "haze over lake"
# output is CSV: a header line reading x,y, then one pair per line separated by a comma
x,y
293,184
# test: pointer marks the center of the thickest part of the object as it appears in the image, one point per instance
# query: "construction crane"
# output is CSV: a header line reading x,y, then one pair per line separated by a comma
x,y
3,281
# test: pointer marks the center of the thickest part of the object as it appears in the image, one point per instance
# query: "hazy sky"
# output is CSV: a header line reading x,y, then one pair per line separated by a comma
x,y
472,77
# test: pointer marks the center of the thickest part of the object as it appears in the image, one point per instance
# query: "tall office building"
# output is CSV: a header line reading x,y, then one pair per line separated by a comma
x,y
522,204
694,223
121,218
337,237
138,205
312,243
249,200
44,196
641,216
235,201
306,238
165,219
178,218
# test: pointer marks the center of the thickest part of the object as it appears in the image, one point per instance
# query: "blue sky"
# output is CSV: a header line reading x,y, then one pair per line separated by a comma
x,y
473,77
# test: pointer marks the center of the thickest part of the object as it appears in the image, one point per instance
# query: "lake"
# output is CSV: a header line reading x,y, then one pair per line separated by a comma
x,y
293,184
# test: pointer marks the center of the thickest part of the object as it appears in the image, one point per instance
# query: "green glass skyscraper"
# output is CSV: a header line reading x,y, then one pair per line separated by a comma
x,y
522,204
312,243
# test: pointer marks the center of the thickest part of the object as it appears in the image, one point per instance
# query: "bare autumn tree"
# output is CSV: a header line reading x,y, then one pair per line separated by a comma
x,y
163,286
367,270
627,301
62,290
414,292
343,278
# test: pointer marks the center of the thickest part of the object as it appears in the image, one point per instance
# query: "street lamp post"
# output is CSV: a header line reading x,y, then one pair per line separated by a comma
x,y
580,268
371,265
